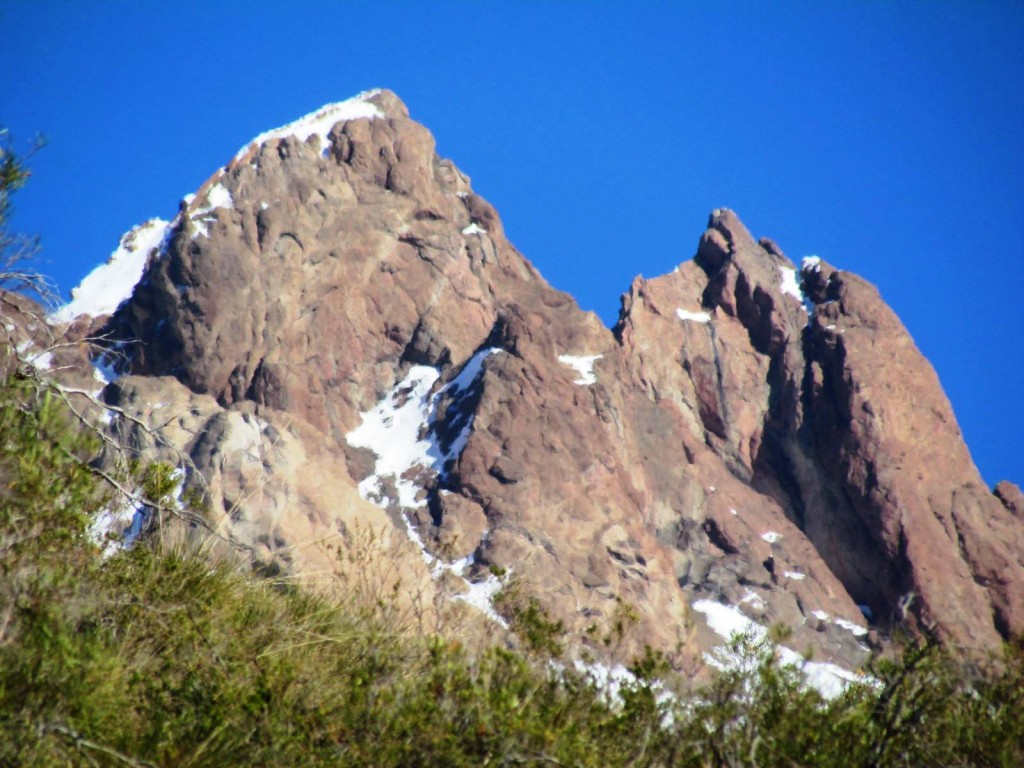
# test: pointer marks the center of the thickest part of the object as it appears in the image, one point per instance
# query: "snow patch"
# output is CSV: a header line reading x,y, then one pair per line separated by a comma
x,y
697,317
481,594
753,598
610,681
771,536
830,680
855,629
402,432
812,263
106,287
103,369
41,359
584,366
794,575
217,197
119,526
391,429
474,229
790,285
321,121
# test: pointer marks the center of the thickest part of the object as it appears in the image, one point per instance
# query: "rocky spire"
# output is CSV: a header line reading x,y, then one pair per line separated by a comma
x,y
337,333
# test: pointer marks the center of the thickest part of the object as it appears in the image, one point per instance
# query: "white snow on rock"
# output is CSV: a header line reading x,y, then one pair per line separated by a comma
x,y
790,285
481,594
753,598
40,359
812,263
697,317
219,197
321,121
830,680
401,430
771,536
474,229
119,526
855,629
610,680
216,197
794,575
104,368
392,430
103,289
724,620
584,366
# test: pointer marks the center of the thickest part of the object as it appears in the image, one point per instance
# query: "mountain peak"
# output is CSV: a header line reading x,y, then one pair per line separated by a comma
x,y
336,333
371,104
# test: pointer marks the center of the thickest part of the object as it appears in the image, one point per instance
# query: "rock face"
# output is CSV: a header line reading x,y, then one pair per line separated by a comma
x,y
336,333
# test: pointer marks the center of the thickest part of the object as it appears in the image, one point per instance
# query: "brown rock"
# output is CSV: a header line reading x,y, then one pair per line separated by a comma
x,y
718,443
1011,497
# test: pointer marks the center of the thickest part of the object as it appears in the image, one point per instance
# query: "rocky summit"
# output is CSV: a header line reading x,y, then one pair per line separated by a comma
x,y
339,347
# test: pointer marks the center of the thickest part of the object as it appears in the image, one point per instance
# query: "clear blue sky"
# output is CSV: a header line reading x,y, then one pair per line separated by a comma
x,y
886,137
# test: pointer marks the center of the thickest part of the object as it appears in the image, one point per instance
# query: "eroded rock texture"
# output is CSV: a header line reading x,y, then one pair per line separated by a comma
x,y
733,438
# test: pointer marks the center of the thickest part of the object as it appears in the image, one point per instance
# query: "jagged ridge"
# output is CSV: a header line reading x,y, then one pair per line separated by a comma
x,y
723,442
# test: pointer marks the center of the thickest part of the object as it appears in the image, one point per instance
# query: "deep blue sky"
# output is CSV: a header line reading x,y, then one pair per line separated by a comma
x,y
887,138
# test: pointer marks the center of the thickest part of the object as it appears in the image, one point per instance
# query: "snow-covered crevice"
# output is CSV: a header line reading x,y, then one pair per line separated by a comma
x,y
106,287
696,317
790,285
408,436
479,594
217,196
584,367
412,441
830,680
474,229
320,122
120,525
855,629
